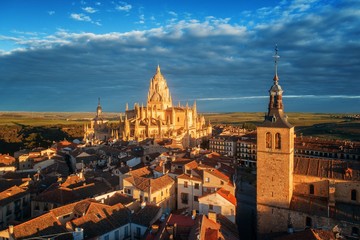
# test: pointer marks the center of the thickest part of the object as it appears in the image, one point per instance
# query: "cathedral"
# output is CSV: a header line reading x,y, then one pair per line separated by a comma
x,y
300,193
160,119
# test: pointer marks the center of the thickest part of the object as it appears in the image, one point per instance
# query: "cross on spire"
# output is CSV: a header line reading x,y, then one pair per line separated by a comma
x,y
276,59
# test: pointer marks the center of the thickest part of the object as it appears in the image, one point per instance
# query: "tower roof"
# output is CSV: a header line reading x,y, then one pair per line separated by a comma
x,y
275,116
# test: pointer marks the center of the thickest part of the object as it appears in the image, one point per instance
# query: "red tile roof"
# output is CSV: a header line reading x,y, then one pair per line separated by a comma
x,y
227,195
46,224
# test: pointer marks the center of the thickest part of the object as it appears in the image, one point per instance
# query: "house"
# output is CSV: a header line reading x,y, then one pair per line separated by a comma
x,y
189,189
74,189
143,219
213,227
221,202
14,205
159,191
7,163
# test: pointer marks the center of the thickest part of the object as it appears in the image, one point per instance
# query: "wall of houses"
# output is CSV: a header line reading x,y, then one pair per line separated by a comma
x,y
191,188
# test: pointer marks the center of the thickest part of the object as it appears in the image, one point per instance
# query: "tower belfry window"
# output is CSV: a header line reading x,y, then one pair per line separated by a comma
x,y
268,140
277,141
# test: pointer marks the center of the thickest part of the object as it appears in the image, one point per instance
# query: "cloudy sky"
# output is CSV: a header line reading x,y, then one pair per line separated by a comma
x,y
62,55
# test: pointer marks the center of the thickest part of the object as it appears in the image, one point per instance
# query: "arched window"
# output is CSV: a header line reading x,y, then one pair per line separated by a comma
x,y
353,195
311,189
268,140
277,141
308,222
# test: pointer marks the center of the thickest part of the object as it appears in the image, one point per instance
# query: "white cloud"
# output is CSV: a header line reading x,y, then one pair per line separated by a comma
x,y
174,14
141,19
80,17
51,13
228,56
89,10
124,6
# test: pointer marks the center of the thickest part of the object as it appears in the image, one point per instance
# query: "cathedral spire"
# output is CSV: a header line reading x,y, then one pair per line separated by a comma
x,y
158,69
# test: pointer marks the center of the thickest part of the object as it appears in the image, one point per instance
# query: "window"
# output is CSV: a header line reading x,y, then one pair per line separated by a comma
x,y
184,198
221,182
162,193
117,235
277,141
308,222
185,184
178,119
196,198
106,237
211,207
154,200
188,171
268,140
138,232
353,195
126,231
207,179
355,231
197,186
128,191
311,189
146,199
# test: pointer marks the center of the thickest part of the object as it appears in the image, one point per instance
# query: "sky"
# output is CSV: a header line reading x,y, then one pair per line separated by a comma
x,y
61,56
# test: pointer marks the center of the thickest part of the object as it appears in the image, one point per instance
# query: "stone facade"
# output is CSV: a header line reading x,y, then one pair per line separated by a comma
x,y
160,119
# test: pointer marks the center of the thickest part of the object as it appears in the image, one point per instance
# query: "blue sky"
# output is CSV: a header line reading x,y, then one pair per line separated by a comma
x,y
62,55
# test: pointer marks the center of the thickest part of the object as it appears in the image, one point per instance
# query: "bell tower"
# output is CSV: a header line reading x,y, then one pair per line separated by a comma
x,y
275,162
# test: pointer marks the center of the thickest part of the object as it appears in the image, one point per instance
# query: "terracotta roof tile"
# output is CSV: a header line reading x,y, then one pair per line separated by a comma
x,y
11,194
227,195
45,224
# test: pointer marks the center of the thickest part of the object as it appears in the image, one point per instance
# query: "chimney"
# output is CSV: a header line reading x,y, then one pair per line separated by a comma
x,y
163,167
193,216
11,229
78,234
175,229
212,216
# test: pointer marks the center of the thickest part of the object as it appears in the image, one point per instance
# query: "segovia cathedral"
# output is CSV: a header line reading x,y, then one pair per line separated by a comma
x,y
161,120
158,120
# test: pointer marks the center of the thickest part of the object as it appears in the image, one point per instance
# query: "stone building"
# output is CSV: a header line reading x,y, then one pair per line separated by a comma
x,y
98,129
294,194
160,119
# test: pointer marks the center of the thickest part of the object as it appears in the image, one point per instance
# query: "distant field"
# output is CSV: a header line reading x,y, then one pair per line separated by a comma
x,y
41,118
308,124
313,124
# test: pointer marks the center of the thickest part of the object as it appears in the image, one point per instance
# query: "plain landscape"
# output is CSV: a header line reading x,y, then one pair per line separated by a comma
x,y
40,129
